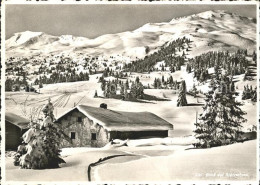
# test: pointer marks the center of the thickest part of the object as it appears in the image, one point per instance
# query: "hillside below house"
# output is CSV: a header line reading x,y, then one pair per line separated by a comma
x,y
15,127
95,127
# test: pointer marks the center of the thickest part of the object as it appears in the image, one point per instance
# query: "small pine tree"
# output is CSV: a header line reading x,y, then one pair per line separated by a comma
x,y
188,68
232,86
126,84
133,90
159,83
155,83
172,69
245,77
162,79
96,94
163,69
107,90
140,90
126,95
254,96
254,56
137,80
122,89
182,101
244,94
103,85
194,91
170,80
40,85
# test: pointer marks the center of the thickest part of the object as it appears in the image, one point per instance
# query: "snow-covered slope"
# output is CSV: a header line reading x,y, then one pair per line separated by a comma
x,y
210,30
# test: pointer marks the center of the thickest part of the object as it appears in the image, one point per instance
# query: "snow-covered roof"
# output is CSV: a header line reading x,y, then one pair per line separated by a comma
x,y
122,121
17,120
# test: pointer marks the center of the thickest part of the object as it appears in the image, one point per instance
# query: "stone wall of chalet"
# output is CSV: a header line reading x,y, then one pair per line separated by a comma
x,y
85,131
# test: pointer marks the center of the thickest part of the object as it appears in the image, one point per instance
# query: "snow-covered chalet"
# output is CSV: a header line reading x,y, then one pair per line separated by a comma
x,y
96,126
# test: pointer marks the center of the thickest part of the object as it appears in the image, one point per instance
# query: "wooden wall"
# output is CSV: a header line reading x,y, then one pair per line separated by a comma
x,y
13,136
138,134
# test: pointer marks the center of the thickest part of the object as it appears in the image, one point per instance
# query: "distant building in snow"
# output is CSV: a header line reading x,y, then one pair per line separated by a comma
x,y
95,127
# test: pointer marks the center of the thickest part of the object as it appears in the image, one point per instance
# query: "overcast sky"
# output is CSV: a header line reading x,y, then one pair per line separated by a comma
x,y
94,20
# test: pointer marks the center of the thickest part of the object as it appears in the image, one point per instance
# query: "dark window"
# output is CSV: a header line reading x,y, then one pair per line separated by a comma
x,y
93,136
72,135
79,119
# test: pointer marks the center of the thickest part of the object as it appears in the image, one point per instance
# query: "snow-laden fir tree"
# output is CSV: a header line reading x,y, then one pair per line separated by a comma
x,y
41,143
182,101
222,118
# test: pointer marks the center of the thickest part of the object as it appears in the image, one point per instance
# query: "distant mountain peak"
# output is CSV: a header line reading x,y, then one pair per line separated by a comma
x,y
209,30
209,15
23,37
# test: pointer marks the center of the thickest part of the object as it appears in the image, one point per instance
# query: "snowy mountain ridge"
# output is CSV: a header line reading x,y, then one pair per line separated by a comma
x,y
209,31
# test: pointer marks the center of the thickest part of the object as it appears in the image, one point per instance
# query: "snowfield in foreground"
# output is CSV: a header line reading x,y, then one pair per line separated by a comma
x,y
233,162
149,163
